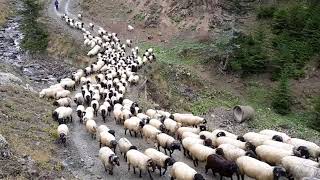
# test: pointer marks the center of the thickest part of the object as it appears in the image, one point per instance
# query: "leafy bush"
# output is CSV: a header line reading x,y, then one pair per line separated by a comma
x,y
317,110
35,35
294,39
266,12
250,57
282,99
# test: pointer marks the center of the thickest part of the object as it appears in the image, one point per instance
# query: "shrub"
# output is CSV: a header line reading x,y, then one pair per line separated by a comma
x,y
265,12
250,57
282,99
317,110
35,34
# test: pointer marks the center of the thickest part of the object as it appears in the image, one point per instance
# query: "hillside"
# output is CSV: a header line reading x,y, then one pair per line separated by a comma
x,y
209,57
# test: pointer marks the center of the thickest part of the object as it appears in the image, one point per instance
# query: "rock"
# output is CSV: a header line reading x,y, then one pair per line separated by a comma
x,y
99,177
3,143
82,160
8,78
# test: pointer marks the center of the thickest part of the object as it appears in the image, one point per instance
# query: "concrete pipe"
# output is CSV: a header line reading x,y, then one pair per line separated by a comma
x,y
242,113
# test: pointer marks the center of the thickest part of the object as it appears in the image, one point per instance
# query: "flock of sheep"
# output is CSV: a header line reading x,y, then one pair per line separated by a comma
x,y
265,155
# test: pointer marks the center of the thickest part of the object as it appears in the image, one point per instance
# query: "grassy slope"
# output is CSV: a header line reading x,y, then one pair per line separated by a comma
x,y
27,125
4,11
171,73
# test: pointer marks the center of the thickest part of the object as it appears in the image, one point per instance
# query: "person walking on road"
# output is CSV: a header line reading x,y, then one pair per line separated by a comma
x,y
56,3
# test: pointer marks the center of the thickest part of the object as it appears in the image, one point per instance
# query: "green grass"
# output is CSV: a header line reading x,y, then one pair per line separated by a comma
x,y
171,64
180,52
258,96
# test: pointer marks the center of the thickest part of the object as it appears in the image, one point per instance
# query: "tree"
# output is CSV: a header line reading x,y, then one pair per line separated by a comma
x,y
317,110
282,98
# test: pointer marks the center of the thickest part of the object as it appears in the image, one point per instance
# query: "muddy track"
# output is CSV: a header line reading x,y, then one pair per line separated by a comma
x,y
81,154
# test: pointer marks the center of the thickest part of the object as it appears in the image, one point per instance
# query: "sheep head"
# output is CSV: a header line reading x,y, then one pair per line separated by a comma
x,y
114,160
241,138
220,134
219,151
151,164
175,145
169,161
304,152
279,172
277,138
198,176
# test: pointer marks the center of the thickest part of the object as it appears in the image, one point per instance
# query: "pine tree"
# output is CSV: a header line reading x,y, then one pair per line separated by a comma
x,y
282,98
317,110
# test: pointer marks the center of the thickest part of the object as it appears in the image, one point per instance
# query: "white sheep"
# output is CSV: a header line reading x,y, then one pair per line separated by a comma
x,y
108,140
189,129
62,94
126,114
234,142
95,106
188,141
160,160
124,146
255,138
182,171
130,28
63,132
171,125
150,132
190,134
91,26
209,135
108,159
299,168
232,152
91,127
133,124
167,143
118,116
278,136
103,128
103,109
65,115
80,110
78,99
314,150
272,155
89,114
220,132
157,124
151,113
258,170
63,102
278,144
139,160
199,152
94,51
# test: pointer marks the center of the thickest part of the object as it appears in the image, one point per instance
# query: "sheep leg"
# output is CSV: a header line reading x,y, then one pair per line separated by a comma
x,y
184,151
128,166
171,178
158,145
194,163
141,134
134,170
148,173
165,151
130,133
242,176
111,170
165,170
125,131
135,134
160,170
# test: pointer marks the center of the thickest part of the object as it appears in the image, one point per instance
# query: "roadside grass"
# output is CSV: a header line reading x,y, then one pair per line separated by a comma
x,y
27,125
178,58
5,11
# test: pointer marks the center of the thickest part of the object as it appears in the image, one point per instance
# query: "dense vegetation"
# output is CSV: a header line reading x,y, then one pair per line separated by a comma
x,y
35,34
282,99
293,41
